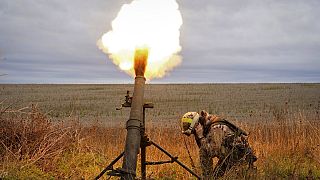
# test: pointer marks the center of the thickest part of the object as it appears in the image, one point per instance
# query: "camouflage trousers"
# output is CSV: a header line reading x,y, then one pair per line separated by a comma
x,y
228,147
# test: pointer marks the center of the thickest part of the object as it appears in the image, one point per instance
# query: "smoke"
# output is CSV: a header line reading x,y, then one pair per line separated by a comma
x,y
151,24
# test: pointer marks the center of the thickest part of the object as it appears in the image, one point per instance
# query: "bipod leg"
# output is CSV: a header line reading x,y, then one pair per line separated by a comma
x,y
175,159
109,167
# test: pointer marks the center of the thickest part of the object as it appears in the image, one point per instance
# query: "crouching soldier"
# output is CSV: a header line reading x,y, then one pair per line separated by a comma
x,y
219,138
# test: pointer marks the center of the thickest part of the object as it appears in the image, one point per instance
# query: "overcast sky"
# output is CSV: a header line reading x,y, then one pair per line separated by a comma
x,y
54,41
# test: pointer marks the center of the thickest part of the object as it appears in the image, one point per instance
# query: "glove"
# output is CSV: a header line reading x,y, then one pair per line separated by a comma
x,y
188,132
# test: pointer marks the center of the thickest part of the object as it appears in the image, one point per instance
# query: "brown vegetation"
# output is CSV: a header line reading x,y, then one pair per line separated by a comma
x,y
284,131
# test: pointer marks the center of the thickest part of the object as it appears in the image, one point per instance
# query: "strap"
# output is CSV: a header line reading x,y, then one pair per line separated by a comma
x,y
238,131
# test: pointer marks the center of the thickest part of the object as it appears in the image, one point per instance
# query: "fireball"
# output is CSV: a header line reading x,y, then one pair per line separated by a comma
x,y
145,24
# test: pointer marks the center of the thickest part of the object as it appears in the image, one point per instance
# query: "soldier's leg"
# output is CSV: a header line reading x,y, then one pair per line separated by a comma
x,y
206,164
250,157
219,169
246,152
223,165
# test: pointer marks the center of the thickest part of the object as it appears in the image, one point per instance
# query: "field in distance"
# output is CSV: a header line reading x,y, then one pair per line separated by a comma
x,y
247,102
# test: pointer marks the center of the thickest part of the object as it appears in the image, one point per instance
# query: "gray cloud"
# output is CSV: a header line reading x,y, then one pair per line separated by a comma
x,y
267,37
223,41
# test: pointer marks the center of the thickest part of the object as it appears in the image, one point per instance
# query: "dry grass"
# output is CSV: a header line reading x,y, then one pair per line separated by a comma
x,y
285,135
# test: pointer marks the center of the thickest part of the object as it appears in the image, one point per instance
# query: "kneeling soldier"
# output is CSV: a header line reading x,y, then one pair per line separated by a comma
x,y
219,138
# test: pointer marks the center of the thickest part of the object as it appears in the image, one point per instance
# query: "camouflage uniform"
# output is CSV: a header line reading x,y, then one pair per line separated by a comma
x,y
219,138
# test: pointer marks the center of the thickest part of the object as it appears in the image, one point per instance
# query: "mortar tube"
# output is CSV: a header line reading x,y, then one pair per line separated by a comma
x,y
133,126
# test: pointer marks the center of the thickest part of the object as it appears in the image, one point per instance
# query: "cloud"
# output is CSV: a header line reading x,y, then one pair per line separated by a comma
x,y
272,36
222,41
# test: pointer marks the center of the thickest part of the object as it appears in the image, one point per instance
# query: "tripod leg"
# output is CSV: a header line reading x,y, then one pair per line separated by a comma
x,y
175,159
143,163
109,166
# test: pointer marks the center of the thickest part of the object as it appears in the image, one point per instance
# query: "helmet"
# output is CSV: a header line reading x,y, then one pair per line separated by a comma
x,y
188,122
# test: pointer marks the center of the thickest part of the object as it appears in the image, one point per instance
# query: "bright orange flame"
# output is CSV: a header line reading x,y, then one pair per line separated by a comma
x,y
145,24
140,61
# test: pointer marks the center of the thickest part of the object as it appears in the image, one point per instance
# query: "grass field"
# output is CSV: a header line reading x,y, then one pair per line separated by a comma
x,y
73,131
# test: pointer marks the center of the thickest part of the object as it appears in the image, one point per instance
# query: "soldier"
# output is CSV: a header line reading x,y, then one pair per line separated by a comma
x,y
219,138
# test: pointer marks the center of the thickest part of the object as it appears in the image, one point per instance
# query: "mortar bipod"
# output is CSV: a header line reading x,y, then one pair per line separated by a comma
x,y
145,142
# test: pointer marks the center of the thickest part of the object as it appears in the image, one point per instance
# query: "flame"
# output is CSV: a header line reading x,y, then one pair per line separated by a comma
x,y
145,24
140,61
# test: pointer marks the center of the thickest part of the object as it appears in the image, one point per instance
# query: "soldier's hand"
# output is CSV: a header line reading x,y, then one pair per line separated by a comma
x,y
199,131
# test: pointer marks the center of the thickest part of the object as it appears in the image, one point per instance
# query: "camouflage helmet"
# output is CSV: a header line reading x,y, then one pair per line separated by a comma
x,y
188,122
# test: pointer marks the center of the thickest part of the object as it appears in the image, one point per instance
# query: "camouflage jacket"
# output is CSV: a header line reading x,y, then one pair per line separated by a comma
x,y
219,135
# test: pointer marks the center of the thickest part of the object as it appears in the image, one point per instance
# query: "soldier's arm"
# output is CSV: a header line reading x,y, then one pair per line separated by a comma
x,y
200,138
